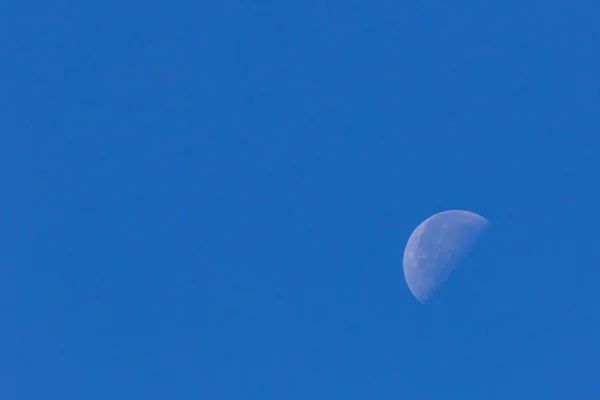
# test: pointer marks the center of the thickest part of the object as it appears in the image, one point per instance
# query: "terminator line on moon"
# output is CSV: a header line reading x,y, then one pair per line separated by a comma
x,y
435,248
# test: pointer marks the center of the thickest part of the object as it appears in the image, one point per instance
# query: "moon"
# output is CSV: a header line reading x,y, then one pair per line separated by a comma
x,y
435,248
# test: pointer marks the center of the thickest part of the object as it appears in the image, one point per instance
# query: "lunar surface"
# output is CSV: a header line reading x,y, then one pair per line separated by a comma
x,y
435,248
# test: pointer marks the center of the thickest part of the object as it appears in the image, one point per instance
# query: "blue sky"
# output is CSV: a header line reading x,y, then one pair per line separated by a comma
x,y
210,200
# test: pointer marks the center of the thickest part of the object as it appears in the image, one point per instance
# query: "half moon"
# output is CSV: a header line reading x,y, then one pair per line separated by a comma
x,y
435,248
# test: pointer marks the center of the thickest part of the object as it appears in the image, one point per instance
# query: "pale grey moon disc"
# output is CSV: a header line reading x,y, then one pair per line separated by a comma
x,y
435,248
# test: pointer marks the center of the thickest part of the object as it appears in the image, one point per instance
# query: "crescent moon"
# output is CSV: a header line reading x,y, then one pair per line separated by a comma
x,y
435,248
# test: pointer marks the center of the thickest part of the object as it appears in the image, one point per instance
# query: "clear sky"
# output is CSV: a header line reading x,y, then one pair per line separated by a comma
x,y
210,199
